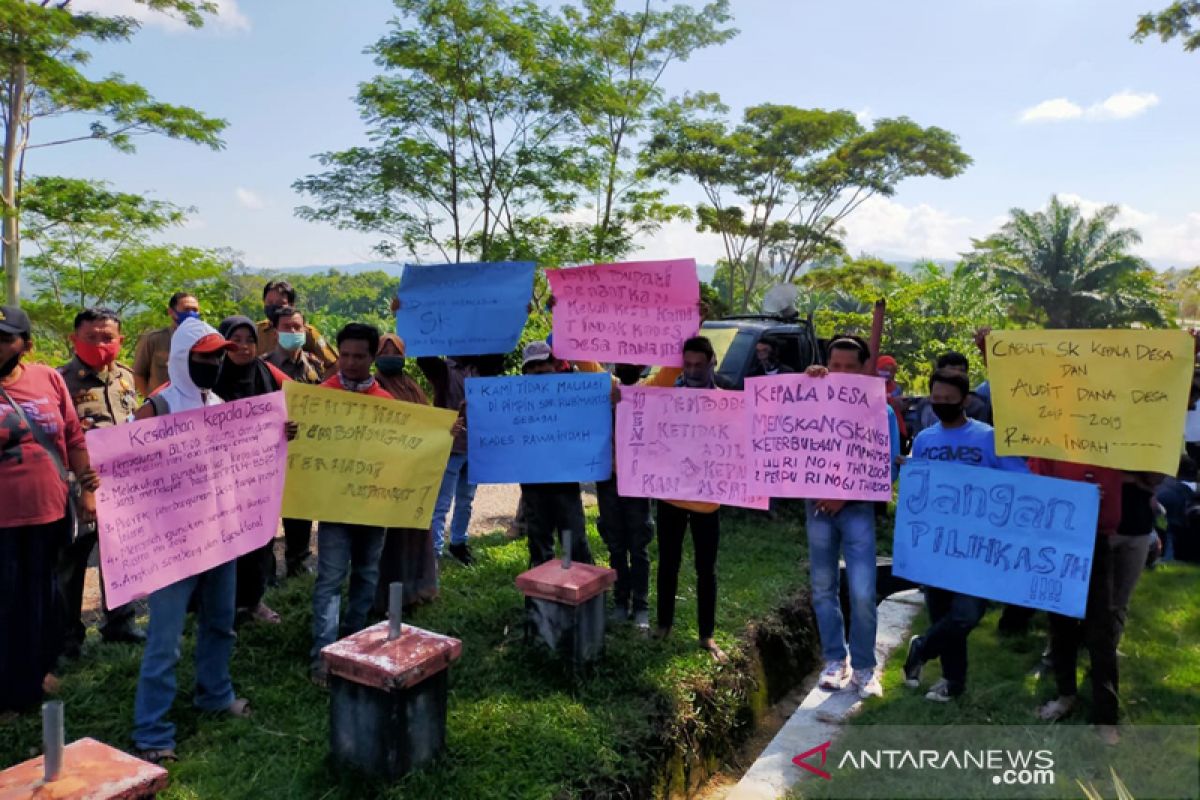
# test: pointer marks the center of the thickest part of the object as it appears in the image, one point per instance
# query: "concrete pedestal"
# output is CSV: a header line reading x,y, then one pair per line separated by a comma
x,y
387,713
566,607
91,770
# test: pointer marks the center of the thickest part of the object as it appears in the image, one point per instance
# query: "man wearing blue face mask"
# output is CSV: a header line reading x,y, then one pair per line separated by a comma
x,y
290,358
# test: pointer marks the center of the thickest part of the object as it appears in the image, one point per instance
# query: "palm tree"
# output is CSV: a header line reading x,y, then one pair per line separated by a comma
x,y
1065,270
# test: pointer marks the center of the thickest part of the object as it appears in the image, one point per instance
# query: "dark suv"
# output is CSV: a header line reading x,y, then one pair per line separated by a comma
x,y
734,339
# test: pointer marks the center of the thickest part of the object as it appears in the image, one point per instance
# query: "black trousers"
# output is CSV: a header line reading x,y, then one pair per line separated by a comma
x,y
626,529
30,611
550,509
954,616
254,570
706,538
72,571
297,540
1099,631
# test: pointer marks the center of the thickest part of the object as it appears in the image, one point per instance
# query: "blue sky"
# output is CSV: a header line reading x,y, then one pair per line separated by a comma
x,y
1048,96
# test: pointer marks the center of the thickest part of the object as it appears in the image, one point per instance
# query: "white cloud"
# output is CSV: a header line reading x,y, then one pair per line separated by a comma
x,y
881,226
228,17
1059,108
248,198
1122,105
1165,241
864,116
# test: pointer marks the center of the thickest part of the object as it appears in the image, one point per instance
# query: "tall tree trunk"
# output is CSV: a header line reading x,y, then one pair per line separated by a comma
x,y
8,186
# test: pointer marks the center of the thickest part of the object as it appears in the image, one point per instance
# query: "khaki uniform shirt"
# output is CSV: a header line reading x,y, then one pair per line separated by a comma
x,y
314,343
304,369
150,357
101,399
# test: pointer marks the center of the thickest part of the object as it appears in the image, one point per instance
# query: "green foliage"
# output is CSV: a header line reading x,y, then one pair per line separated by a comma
x,y
1178,20
495,123
92,247
44,48
1062,270
520,724
778,185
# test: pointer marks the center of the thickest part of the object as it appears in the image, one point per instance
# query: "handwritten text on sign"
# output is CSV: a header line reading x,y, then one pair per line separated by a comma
x,y
1006,536
820,437
685,444
637,313
540,428
183,493
364,460
463,309
1111,398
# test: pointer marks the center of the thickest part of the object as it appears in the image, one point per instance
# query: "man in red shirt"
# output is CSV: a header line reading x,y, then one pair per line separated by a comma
x,y
344,549
1097,629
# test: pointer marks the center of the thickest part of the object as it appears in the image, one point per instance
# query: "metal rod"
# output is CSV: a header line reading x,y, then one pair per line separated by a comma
x,y
566,559
52,738
395,610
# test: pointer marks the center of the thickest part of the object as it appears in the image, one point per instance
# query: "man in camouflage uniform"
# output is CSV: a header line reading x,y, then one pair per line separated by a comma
x,y
103,392
278,295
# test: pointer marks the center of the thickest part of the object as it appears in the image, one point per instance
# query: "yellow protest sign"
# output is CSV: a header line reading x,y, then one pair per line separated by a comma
x,y
364,460
1113,398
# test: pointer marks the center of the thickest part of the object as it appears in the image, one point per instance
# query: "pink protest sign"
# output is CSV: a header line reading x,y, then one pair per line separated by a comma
x,y
183,493
684,444
824,438
636,313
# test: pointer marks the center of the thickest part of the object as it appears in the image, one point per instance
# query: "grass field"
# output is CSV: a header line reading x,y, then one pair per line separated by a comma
x,y
520,724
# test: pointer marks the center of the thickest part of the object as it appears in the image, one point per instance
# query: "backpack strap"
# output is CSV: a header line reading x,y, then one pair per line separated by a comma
x,y
39,435
161,409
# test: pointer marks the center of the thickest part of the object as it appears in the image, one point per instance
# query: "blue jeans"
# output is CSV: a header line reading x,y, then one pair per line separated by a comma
x,y
214,645
458,490
850,532
954,616
342,549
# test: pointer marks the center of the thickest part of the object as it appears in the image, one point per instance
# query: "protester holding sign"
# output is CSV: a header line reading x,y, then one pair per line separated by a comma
x,y
960,439
290,358
408,555
344,549
676,516
551,508
846,528
197,351
40,438
102,390
244,375
1098,629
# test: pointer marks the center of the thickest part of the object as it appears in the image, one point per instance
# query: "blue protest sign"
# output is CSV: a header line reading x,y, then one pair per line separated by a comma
x,y
539,428
1007,536
463,309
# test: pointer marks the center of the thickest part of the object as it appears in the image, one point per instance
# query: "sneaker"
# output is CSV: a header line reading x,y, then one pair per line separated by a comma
x,y
866,682
835,676
642,619
462,553
913,664
942,692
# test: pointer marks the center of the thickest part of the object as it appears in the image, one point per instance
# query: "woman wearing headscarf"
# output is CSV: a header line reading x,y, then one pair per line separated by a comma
x,y
243,374
408,555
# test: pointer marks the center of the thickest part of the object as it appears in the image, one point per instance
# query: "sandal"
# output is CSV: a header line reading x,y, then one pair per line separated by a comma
x,y
239,708
1056,709
263,613
713,650
157,757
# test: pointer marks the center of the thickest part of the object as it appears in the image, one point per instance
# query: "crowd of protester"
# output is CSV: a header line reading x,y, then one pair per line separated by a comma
x,y
48,525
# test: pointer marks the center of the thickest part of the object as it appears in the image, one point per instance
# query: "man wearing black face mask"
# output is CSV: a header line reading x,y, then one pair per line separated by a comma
x,y
955,437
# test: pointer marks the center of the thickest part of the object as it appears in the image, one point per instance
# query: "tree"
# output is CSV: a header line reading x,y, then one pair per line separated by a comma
x,y
1178,20
626,54
1063,270
471,129
92,247
42,48
778,185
